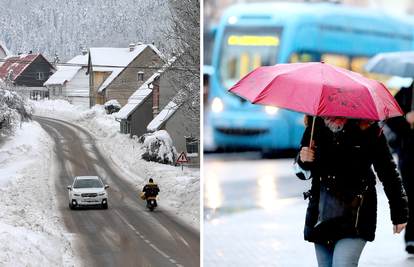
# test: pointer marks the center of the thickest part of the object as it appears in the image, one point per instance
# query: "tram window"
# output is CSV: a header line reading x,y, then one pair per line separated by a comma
x,y
337,60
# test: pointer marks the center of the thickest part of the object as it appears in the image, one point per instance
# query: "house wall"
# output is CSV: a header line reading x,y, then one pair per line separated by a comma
x,y
141,117
123,86
79,84
54,90
97,79
176,131
167,93
77,89
29,76
79,101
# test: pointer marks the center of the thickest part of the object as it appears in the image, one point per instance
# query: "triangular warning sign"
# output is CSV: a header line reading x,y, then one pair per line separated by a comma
x,y
182,158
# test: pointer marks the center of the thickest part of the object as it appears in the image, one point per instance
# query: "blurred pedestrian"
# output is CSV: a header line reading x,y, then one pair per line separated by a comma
x,y
342,211
404,146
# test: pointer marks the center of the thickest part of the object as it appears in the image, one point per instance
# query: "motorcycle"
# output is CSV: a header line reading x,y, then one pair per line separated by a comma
x,y
151,203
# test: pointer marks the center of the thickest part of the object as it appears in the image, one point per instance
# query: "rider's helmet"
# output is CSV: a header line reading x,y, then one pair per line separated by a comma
x,y
150,180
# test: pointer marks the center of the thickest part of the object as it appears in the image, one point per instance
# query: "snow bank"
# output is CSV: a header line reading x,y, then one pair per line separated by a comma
x,y
30,231
180,189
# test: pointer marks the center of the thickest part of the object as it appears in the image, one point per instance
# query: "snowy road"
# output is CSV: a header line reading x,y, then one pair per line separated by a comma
x,y
126,234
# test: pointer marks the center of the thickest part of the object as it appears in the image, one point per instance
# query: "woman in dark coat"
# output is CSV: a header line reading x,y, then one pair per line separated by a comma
x,y
339,162
404,146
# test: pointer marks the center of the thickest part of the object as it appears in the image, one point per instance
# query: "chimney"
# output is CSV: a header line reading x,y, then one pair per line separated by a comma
x,y
131,47
155,99
84,51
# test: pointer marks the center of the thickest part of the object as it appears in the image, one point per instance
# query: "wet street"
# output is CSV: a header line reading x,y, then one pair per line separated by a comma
x,y
254,215
243,181
125,234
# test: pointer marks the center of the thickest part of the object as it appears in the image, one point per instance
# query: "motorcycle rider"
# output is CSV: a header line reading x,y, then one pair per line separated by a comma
x,y
151,189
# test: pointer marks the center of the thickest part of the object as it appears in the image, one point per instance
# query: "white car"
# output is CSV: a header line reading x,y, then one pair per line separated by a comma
x,y
88,191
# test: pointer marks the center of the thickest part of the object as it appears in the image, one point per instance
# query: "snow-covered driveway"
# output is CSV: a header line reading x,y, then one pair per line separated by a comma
x,y
126,234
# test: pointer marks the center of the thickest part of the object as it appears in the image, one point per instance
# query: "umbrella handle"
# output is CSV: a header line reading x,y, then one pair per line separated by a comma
x,y
313,127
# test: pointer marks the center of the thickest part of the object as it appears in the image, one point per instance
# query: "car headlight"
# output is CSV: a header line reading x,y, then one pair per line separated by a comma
x,y
217,105
102,194
271,110
76,195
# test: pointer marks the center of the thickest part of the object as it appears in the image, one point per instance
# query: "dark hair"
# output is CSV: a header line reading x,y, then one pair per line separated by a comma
x,y
150,180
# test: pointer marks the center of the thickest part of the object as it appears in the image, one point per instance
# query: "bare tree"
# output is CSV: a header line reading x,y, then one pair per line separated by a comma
x,y
182,41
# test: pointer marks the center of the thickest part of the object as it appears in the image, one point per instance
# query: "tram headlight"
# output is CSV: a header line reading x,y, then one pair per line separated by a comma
x,y
271,110
232,20
217,105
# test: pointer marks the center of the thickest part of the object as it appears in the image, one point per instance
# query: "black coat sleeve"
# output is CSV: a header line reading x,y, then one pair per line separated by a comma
x,y
399,125
388,174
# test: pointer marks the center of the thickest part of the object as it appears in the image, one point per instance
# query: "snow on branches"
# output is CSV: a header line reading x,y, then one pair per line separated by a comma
x,y
14,109
159,148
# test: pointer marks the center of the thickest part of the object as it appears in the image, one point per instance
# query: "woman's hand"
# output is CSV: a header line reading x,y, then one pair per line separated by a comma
x,y
399,227
410,117
307,154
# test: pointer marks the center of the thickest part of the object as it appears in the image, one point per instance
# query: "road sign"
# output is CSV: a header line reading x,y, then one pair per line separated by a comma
x,y
182,158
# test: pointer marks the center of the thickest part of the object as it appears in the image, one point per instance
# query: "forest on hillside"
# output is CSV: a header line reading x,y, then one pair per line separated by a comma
x,y
69,26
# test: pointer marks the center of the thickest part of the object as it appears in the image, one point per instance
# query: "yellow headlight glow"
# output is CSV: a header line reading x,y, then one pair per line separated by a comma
x,y
232,20
271,110
217,105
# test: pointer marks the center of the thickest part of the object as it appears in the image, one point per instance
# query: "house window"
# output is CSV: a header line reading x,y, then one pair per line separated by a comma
x,y
60,89
192,145
140,76
54,91
40,76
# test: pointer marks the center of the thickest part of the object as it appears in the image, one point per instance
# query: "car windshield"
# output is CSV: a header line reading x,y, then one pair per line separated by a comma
x,y
87,183
244,49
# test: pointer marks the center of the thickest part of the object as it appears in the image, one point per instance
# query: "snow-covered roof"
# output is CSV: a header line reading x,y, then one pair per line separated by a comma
x,y
114,60
137,98
63,75
66,73
81,60
163,116
18,64
142,93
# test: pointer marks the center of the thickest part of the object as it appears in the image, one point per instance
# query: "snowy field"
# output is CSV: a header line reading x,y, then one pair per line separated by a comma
x,y
31,233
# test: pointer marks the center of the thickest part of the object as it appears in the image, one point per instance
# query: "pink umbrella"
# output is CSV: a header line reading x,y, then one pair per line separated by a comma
x,y
318,89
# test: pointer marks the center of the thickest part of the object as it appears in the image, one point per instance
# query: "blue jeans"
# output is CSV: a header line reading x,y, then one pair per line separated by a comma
x,y
343,253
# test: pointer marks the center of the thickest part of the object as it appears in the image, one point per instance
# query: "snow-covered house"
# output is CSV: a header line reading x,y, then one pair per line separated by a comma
x,y
138,112
151,108
170,120
4,52
29,71
71,82
116,73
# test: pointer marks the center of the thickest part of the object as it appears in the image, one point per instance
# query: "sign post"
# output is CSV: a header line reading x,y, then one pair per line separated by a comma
x,y
182,158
